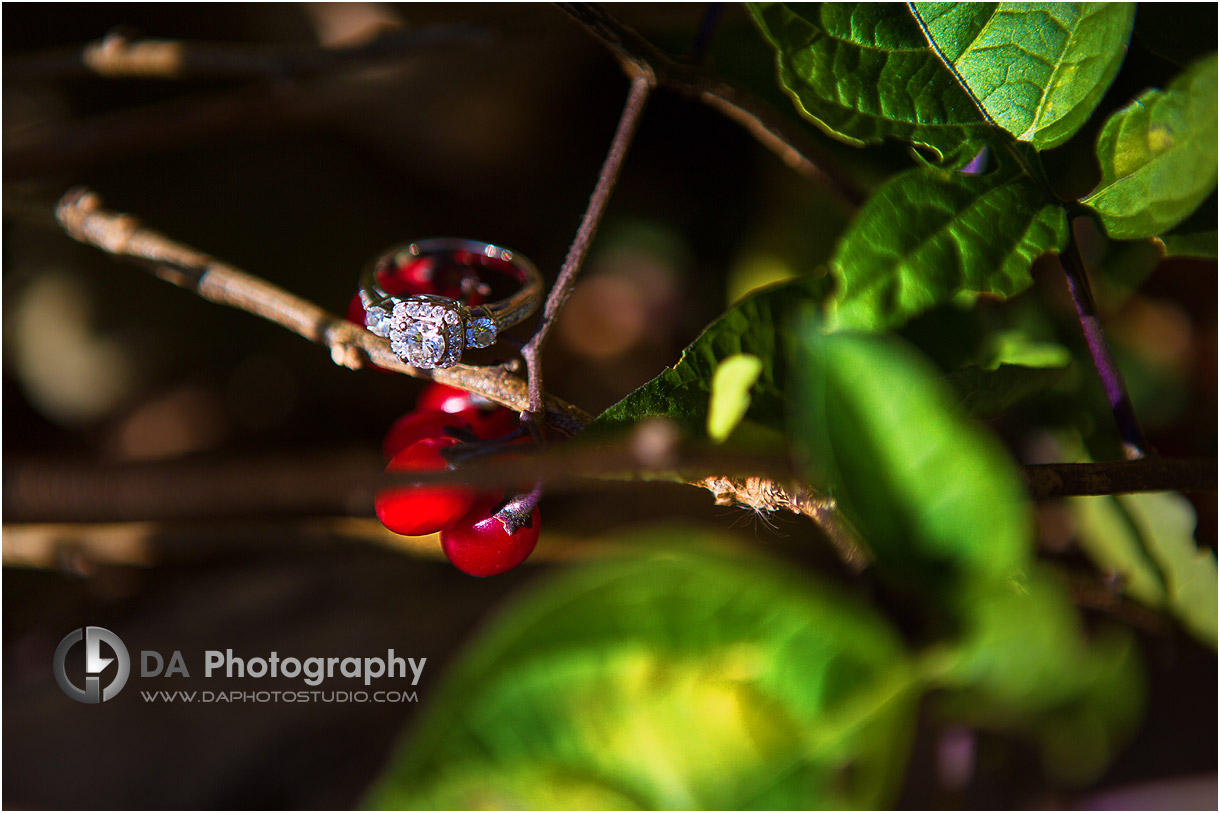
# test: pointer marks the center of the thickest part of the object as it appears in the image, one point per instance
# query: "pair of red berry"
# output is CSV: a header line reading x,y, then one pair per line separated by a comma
x,y
481,534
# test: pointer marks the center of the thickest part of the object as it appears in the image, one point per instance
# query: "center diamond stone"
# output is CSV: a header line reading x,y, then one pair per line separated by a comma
x,y
426,331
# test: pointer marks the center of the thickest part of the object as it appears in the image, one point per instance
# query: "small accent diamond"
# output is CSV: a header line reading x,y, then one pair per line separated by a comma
x,y
377,321
481,332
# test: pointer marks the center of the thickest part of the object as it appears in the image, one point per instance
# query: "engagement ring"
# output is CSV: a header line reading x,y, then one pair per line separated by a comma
x,y
429,331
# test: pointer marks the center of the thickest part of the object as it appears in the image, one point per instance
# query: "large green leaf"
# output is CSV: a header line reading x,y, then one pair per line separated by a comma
x,y
931,236
1158,156
863,72
1148,540
681,393
1037,69
669,679
929,490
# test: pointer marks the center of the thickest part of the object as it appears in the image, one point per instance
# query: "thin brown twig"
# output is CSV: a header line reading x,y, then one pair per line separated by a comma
x,y
81,214
117,56
641,86
783,136
298,90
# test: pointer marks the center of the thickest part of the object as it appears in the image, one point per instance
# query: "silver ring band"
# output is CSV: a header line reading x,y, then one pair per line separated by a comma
x,y
430,331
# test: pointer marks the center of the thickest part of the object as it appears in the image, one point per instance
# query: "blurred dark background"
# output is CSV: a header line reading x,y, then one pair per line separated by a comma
x,y
493,129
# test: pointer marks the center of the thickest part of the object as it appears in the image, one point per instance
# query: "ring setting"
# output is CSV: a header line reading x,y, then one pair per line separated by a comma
x,y
430,331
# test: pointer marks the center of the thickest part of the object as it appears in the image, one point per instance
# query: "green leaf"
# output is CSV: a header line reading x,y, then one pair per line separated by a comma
x,y
1016,368
1016,347
731,394
1148,540
1158,156
1197,244
863,72
985,393
681,393
930,236
1023,664
1037,69
928,489
670,679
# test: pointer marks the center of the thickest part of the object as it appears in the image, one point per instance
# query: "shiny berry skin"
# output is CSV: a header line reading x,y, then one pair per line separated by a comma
x,y
479,544
355,311
418,510
444,398
486,419
417,425
412,277
491,423
431,275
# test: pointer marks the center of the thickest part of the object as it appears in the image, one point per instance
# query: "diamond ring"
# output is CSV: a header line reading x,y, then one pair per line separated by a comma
x,y
429,331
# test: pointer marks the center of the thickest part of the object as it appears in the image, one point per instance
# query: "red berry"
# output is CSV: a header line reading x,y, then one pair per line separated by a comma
x,y
355,311
491,423
417,425
479,544
444,398
412,277
486,419
418,510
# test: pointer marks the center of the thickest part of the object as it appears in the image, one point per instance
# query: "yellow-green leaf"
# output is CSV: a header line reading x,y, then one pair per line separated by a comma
x,y
731,394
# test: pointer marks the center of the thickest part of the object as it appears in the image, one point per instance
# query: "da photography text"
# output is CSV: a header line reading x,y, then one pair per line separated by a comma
x,y
101,648
312,670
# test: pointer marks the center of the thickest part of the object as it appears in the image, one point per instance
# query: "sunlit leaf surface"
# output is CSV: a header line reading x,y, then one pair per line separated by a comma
x,y
1037,69
1158,157
670,679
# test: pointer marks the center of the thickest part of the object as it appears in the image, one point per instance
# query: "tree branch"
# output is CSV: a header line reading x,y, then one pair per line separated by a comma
x,y
641,86
785,137
344,482
81,215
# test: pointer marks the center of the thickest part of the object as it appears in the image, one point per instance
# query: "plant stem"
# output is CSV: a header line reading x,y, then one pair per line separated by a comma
x,y
1135,446
641,86
707,30
781,134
